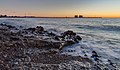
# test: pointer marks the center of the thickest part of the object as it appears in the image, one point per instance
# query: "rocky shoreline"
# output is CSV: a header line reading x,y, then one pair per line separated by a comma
x,y
39,49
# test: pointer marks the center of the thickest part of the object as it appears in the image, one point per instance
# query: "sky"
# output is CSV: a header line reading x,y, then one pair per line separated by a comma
x,y
61,8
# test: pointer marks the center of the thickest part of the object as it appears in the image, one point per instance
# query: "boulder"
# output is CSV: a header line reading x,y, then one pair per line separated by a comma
x,y
31,29
94,54
51,34
69,33
66,43
40,28
78,37
9,26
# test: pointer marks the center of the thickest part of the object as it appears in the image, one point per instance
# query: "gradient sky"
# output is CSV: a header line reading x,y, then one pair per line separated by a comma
x,y
61,8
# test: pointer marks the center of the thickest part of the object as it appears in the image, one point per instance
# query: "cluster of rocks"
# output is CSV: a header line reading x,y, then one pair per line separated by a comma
x,y
38,49
17,58
99,63
35,37
33,47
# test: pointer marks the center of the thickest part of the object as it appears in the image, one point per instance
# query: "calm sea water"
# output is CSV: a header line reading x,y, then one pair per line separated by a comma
x,y
99,34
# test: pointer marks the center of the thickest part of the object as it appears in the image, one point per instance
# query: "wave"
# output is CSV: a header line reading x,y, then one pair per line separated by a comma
x,y
102,27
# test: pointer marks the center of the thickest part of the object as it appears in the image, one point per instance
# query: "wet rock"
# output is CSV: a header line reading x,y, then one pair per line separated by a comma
x,y
78,38
56,38
111,63
86,55
97,59
69,33
31,29
68,43
94,54
9,26
39,28
51,34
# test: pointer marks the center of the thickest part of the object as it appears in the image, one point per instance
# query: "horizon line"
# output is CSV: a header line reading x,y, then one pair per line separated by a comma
x,y
28,16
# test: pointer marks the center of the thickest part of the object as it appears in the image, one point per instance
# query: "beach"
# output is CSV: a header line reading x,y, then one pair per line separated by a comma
x,y
59,43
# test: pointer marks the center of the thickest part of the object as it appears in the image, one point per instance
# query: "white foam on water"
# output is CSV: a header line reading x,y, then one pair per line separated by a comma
x,y
105,41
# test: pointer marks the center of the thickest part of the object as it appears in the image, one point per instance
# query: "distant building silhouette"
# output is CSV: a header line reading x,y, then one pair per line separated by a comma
x,y
80,16
3,16
76,16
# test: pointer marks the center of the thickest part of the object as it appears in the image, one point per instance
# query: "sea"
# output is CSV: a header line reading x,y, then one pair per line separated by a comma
x,y
98,34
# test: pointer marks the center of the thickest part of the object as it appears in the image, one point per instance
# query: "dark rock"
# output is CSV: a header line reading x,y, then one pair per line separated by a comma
x,y
31,29
39,28
14,38
68,43
96,59
110,62
85,55
57,38
69,33
78,37
51,34
0,38
94,54
9,26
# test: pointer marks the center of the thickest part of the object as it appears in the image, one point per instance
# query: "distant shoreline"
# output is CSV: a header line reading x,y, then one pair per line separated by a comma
x,y
52,17
49,17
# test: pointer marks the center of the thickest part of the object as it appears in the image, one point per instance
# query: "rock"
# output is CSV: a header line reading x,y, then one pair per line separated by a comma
x,y
110,62
3,28
40,28
78,38
94,54
51,34
14,38
97,59
9,26
31,29
69,33
85,55
56,38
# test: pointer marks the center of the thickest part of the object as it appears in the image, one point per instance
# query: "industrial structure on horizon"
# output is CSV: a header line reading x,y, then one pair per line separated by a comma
x,y
78,16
